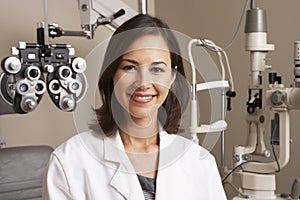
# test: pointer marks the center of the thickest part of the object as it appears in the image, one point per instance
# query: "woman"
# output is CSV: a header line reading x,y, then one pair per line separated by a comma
x,y
134,153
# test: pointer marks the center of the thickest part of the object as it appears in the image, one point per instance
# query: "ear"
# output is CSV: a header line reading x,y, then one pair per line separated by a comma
x,y
174,72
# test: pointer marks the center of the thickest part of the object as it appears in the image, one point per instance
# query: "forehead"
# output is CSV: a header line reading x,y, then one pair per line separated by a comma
x,y
149,42
147,49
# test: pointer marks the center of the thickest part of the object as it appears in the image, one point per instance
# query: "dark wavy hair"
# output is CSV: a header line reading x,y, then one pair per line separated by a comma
x,y
122,38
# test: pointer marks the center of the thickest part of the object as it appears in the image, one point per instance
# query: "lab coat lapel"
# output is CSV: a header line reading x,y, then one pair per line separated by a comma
x,y
124,180
171,150
127,184
162,180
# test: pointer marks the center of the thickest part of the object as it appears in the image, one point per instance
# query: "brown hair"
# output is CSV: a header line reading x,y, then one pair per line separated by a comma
x,y
174,104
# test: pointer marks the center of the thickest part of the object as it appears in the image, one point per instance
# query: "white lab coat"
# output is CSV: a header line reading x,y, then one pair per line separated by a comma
x,y
90,166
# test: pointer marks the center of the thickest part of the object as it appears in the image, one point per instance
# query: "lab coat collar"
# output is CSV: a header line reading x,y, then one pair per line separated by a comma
x,y
111,152
124,180
114,151
127,184
171,148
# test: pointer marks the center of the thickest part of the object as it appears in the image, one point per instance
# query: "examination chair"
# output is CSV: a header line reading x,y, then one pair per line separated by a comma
x,y
21,172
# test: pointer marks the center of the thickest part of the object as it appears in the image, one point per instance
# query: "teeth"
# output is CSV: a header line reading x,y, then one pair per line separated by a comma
x,y
143,97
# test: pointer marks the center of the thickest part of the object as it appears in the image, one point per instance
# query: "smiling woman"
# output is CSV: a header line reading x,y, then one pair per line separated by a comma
x,y
142,82
135,152
129,45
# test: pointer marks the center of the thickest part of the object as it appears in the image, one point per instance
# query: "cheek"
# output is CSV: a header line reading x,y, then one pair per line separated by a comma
x,y
164,83
123,80
122,84
117,77
163,92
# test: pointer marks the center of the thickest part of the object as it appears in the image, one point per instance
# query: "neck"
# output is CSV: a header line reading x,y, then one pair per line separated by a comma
x,y
142,152
141,144
140,129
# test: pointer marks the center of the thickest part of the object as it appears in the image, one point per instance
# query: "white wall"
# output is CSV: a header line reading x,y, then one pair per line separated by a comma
x,y
217,20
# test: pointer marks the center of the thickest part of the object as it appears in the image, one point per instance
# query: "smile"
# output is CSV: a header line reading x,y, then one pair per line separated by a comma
x,y
142,98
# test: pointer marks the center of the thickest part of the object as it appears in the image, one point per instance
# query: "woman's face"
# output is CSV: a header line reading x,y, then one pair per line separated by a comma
x,y
144,76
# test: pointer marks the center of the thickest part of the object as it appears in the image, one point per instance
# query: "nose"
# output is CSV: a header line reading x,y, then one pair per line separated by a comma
x,y
143,80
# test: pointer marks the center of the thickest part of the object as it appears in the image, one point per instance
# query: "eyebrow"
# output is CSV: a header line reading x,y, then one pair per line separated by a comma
x,y
129,60
137,63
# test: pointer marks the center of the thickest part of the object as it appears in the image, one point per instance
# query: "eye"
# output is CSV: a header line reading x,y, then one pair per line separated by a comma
x,y
129,68
158,68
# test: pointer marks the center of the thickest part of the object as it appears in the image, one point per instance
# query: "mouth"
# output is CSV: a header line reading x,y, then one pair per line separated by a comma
x,y
142,98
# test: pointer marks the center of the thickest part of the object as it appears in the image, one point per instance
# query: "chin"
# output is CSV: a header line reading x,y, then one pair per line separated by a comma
x,y
142,113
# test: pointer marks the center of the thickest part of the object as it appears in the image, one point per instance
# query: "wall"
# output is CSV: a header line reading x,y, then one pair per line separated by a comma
x,y
217,20
212,19
47,124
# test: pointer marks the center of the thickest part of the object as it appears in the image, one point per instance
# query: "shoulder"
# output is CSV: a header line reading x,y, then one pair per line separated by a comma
x,y
191,151
78,144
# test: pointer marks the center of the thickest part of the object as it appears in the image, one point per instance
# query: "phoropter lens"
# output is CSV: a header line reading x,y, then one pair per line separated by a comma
x,y
23,87
65,73
34,73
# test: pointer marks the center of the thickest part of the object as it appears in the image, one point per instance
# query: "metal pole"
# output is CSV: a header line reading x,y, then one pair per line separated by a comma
x,y
46,34
252,4
143,6
222,133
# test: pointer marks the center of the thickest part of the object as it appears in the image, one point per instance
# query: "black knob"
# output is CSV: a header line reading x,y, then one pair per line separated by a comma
x,y
272,77
277,98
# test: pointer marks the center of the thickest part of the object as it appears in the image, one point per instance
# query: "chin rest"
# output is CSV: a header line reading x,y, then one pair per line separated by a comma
x,y
21,172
